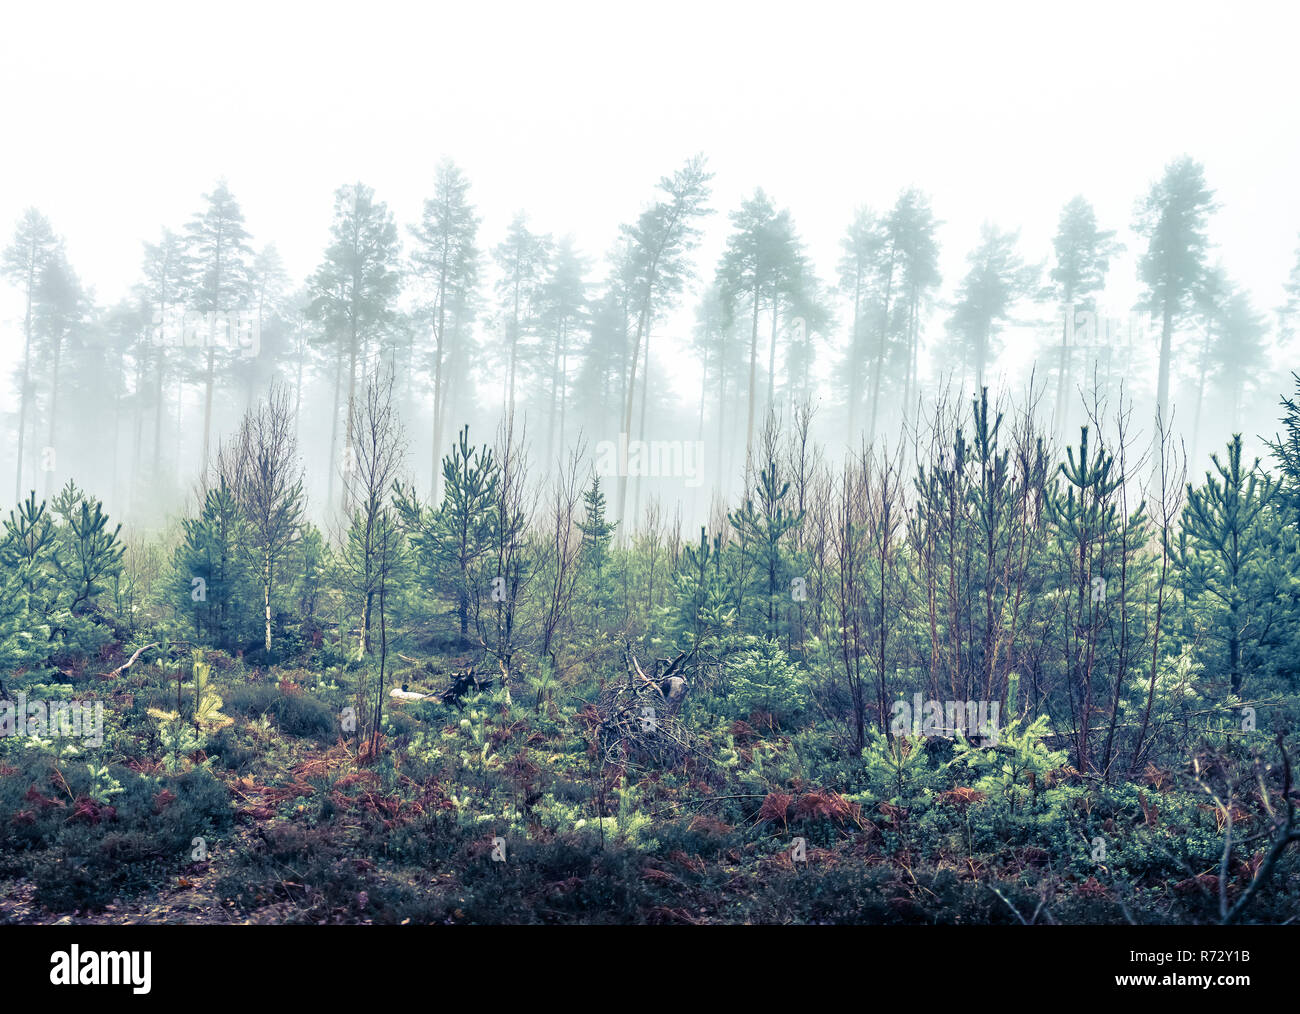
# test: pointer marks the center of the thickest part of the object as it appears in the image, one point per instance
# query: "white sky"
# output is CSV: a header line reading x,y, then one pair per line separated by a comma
x,y
116,118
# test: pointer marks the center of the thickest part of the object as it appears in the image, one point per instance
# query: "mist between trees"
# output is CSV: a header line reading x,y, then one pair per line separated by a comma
x,y
132,398
979,562
1112,614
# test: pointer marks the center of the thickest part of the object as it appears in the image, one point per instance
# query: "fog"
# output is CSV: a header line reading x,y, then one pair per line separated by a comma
x,y
122,124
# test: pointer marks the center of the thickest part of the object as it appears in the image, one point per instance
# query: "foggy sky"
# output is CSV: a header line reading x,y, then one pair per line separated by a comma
x,y
117,118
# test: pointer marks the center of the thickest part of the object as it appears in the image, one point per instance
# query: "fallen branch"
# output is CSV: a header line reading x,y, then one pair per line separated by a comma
x,y
1286,833
123,668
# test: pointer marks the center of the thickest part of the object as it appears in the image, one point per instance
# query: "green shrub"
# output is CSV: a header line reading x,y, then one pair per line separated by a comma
x,y
296,713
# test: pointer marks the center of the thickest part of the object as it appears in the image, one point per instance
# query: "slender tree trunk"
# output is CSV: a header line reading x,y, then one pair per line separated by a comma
x,y
642,324
722,417
564,381
383,642
297,390
438,407
365,626
139,432
855,356
630,393
117,423
180,416
209,382
1166,342
1200,397
24,396
555,384
771,358
334,427
753,380
880,351
704,395
514,350
913,342
52,446
1063,374
266,601
348,451
207,413
640,429
157,421
448,401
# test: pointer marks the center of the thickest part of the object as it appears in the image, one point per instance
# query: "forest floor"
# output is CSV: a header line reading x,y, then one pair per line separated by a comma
x,y
302,824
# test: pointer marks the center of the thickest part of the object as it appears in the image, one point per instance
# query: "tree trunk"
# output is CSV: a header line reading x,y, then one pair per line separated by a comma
x,y
349,464
514,351
771,359
564,382
631,394
1200,399
157,421
753,381
855,356
54,418
27,358
207,414
438,353
1166,341
880,352
266,601
1063,373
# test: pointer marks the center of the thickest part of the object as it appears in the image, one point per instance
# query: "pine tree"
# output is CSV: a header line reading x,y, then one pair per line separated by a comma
x,y
522,259
22,635
1286,448
889,268
861,248
452,538
654,269
701,613
594,551
445,264
766,564
562,312
210,574
29,561
62,311
60,557
763,270
1239,358
353,293
996,280
166,272
1083,254
219,254
309,565
913,226
272,318
24,263
1172,218
93,552
1289,311
1090,537
1220,549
